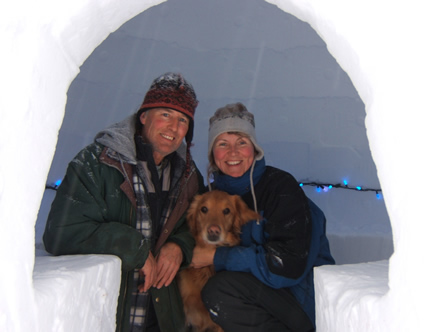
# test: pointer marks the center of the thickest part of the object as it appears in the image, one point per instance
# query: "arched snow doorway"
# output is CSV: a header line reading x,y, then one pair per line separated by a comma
x,y
47,43
310,119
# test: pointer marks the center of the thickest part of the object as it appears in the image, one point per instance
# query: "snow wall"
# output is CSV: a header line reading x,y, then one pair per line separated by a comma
x,y
45,43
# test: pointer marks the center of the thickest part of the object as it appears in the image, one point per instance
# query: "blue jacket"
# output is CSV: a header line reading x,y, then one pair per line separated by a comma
x,y
283,248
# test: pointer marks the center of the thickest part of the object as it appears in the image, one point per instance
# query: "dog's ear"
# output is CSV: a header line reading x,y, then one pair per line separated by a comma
x,y
191,215
243,213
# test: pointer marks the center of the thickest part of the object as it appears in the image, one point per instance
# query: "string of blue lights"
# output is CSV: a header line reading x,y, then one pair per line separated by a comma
x,y
325,187
320,187
54,186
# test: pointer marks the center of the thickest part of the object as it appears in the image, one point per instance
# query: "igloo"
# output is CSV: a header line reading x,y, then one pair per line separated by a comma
x,y
45,43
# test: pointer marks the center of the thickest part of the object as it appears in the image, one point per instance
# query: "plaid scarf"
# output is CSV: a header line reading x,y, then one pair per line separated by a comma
x,y
141,184
140,300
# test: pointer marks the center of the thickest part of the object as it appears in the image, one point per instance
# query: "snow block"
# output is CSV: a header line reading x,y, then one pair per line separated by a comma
x,y
346,295
77,293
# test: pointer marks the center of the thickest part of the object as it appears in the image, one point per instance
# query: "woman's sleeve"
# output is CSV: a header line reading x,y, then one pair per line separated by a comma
x,y
276,250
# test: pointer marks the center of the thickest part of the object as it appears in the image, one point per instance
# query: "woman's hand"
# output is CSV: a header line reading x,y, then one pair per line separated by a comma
x,y
202,256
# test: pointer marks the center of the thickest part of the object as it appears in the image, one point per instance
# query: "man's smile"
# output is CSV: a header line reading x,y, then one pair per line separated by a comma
x,y
170,138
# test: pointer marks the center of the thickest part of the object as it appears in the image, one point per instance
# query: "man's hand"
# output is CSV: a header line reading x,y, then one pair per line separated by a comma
x,y
149,270
168,263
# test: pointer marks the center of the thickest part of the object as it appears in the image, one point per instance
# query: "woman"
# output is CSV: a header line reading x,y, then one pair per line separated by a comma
x,y
266,283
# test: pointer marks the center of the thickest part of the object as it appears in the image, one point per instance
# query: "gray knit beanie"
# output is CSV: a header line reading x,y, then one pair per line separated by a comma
x,y
233,118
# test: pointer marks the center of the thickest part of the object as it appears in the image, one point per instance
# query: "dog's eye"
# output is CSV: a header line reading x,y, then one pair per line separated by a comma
x,y
226,211
204,209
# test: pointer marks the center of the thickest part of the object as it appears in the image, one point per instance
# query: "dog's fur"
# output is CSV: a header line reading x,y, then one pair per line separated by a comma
x,y
215,219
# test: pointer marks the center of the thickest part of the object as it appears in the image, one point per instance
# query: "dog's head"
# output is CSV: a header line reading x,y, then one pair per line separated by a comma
x,y
216,218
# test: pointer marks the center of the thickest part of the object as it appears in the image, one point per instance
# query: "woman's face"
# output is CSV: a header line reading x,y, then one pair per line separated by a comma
x,y
233,154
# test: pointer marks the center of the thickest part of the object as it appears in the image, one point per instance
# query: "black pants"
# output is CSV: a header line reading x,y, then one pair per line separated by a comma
x,y
239,302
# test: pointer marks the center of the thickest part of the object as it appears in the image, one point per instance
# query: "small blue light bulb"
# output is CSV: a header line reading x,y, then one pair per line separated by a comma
x,y
58,182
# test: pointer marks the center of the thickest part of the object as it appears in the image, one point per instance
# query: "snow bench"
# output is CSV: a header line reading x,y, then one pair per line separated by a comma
x,y
346,295
76,293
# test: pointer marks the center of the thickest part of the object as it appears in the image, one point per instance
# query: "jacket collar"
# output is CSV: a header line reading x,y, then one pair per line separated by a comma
x,y
240,185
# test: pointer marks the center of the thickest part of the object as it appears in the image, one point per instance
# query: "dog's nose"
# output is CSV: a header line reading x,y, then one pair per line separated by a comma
x,y
214,232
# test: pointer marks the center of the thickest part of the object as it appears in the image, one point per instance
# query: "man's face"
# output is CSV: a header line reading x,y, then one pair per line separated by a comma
x,y
164,129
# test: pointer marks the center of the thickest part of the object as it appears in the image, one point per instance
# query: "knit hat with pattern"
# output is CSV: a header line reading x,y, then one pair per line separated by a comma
x,y
171,90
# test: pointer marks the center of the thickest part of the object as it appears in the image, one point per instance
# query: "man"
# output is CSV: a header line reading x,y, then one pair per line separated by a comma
x,y
126,194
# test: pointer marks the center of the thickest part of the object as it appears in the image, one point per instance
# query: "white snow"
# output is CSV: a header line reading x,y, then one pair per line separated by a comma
x,y
349,294
76,293
377,43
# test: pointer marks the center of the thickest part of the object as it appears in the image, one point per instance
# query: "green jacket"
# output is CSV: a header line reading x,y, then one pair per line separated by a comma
x,y
94,212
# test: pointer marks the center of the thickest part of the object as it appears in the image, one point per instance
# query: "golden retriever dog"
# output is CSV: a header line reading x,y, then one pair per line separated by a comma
x,y
215,219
